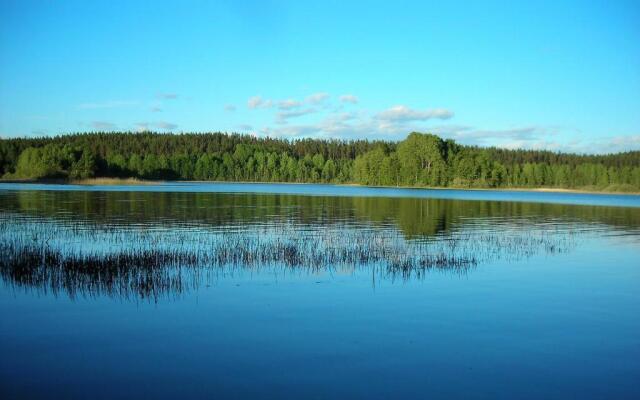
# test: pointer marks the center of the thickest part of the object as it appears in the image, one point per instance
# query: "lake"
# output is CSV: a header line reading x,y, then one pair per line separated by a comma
x,y
206,290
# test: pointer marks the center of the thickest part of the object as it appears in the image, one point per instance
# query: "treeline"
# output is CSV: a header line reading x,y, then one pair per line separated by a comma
x,y
207,156
419,160
427,160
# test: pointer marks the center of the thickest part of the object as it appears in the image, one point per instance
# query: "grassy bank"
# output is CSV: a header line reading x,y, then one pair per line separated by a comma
x,y
112,181
610,189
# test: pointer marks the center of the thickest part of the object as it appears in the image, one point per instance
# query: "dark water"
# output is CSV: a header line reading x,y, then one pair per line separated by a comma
x,y
316,291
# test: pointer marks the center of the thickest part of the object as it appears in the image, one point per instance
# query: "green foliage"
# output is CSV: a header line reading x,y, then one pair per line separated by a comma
x,y
422,160
54,161
419,160
30,164
427,160
84,167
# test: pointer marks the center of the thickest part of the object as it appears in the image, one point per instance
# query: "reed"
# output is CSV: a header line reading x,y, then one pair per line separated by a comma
x,y
150,262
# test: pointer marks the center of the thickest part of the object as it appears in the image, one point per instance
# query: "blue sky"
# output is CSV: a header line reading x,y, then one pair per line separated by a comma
x,y
560,75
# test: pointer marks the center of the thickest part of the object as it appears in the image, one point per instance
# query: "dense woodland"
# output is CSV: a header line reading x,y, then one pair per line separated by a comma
x,y
419,160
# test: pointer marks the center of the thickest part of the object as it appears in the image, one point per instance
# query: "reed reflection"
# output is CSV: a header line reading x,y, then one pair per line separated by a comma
x,y
165,260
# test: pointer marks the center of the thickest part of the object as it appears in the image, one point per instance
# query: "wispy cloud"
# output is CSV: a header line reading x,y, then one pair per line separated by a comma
x,y
167,126
501,137
229,108
349,98
167,96
288,104
254,102
292,131
317,98
108,104
156,109
607,144
388,124
258,102
103,126
141,126
629,142
538,137
401,113
162,125
327,119
336,125
244,127
283,116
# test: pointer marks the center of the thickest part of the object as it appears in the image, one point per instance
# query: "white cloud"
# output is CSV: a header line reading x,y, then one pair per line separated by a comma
x,y
349,98
401,113
608,144
330,121
291,131
162,125
288,104
347,125
533,136
283,116
536,137
254,102
317,98
229,108
625,141
258,102
391,124
167,126
156,109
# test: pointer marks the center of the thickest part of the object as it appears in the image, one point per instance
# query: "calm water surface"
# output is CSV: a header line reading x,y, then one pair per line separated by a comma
x,y
317,291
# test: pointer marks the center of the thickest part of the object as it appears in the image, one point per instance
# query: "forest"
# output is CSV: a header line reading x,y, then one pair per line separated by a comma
x,y
420,160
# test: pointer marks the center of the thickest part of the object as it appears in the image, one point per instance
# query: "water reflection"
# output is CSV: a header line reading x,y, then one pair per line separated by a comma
x,y
140,245
413,216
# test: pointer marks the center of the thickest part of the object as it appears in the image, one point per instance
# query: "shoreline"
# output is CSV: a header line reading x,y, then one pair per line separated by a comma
x,y
135,181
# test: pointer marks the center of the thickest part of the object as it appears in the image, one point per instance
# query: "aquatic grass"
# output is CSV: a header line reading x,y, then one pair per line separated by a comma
x,y
153,261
